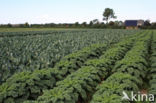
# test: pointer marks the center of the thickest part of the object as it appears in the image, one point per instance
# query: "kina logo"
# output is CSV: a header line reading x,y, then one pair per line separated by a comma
x,y
138,97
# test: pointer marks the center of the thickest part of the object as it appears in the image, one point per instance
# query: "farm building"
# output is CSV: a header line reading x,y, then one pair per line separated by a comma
x,y
134,24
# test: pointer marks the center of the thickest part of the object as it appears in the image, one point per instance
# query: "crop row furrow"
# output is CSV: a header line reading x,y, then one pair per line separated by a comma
x,y
126,75
29,51
152,76
29,85
77,86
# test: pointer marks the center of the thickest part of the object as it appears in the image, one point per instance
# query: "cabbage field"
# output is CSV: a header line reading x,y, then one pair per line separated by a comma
x,y
27,51
76,66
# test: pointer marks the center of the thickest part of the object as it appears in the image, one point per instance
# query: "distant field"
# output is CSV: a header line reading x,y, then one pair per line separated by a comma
x,y
32,50
31,29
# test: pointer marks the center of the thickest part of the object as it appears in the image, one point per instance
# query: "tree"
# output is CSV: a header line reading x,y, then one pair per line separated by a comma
x,y
118,23
26,24
76,23
84,24
9,25
108,14
147,23
154,24
111,23
90,23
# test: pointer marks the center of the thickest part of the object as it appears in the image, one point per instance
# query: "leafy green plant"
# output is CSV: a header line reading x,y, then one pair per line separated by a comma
x,y
152,76
110,91
28,51
125,77
29,85
82,82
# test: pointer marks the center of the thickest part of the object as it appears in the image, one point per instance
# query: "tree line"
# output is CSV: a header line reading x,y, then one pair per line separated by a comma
x,y
108,14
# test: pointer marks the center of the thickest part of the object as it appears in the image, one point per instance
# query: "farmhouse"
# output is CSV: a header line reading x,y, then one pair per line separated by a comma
x,y
134,24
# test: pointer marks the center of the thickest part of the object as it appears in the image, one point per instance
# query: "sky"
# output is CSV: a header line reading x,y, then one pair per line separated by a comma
x,y
71,11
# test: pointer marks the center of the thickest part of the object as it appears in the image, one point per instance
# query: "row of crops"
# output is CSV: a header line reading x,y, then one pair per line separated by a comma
x,y
152,69
28,51
36,33
127,73
96,74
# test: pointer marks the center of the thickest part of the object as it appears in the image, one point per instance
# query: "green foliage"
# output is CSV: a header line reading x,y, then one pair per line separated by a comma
x,y
126,75
110,91
152,76
31,84
112,54
77,75
108,14
134,61
27,51
80,83
75,85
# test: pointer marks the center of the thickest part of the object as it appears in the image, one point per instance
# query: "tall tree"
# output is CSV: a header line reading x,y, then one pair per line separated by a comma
x,y
108,14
